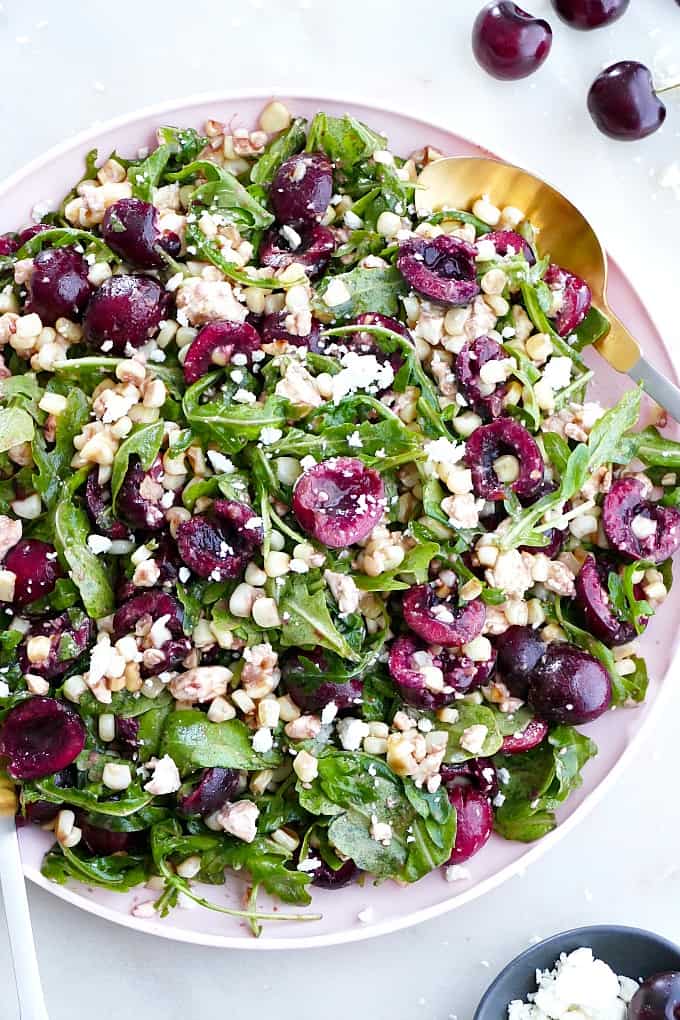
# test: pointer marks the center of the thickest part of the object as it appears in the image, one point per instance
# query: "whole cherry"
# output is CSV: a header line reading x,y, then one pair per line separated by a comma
x,y
508,42
589,14
623,102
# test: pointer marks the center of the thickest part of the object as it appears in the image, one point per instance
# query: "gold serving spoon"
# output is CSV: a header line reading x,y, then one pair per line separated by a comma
x,y
456,182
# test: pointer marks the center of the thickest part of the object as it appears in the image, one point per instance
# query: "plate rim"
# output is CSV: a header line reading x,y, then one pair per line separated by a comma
x,y
534,852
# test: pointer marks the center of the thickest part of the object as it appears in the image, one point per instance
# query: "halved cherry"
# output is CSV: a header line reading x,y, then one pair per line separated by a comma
x,y
637,527
499,438
218,544
441,620
442,268
216,344
40,736
339,501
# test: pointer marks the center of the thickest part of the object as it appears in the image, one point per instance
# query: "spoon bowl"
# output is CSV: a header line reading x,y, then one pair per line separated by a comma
x,y
458,181
630,952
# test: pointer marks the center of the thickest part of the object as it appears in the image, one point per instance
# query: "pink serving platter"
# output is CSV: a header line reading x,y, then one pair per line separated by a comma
x,y
617,734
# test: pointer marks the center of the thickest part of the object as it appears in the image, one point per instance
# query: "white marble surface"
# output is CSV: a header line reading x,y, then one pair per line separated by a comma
x,y
66,65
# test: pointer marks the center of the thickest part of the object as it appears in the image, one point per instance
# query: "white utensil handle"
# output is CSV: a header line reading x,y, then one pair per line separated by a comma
x,y
657,386
29,987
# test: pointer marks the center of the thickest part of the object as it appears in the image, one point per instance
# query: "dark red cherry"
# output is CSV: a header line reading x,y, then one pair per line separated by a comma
x,y
105,842
216,344
36,568
533,734
59,286
140,496
588,14
592,594
339,501
98,501
508,42
474,822
9,244
480,772
41,811
310,691
274,328
40,736
130,228
623,103
625,509
472,355
489,442
441,620
569,686
508,242
302,188
215,787
459,674
519,651
442,268
125,310
70,634
311,247
575,298
324,877
219,543
657,998
27,233
147,608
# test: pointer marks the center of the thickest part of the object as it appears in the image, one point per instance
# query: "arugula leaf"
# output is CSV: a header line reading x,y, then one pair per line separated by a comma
x,y
416,561
144,442
71,528
53,465
357,790
58,237
119,872
232,425
90,799
470,714
539,781
224,193
396,443
591,329
370,290
461,217
184,144
307,622
193,742
346,140
266,863
602,447
146,175
280,148
16,426
655,450
557,451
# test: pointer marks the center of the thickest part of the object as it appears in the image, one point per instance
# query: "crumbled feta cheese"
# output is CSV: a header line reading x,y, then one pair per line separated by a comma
x,y
336,293
270,434
165,777
557,373
473,737
579,986
4,689
351,732
98,544
360,372
457,873
263,740
220,463
444,451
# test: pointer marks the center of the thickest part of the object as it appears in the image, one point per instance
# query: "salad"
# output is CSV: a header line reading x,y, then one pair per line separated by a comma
x,y
314,552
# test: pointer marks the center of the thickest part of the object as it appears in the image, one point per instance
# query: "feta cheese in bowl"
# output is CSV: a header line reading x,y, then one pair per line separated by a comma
x,y
589,973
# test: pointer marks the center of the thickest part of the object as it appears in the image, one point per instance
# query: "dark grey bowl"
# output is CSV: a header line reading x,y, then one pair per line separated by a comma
x,y
630,951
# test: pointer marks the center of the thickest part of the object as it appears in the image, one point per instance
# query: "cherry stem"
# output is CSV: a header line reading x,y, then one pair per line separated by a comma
x,y
667,88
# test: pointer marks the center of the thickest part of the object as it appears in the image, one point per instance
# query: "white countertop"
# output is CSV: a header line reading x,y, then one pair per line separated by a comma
x,y
67,65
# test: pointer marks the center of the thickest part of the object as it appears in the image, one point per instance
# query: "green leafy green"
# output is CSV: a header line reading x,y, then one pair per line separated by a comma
x,y
71,528
280,148
194,742
307,622
118,873
539,781
359,791
16,427
415,563
224,193
370,290
266,863
144,442
346,140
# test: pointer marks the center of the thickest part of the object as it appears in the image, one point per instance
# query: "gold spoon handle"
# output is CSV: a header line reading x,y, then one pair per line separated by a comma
x,y
623,353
